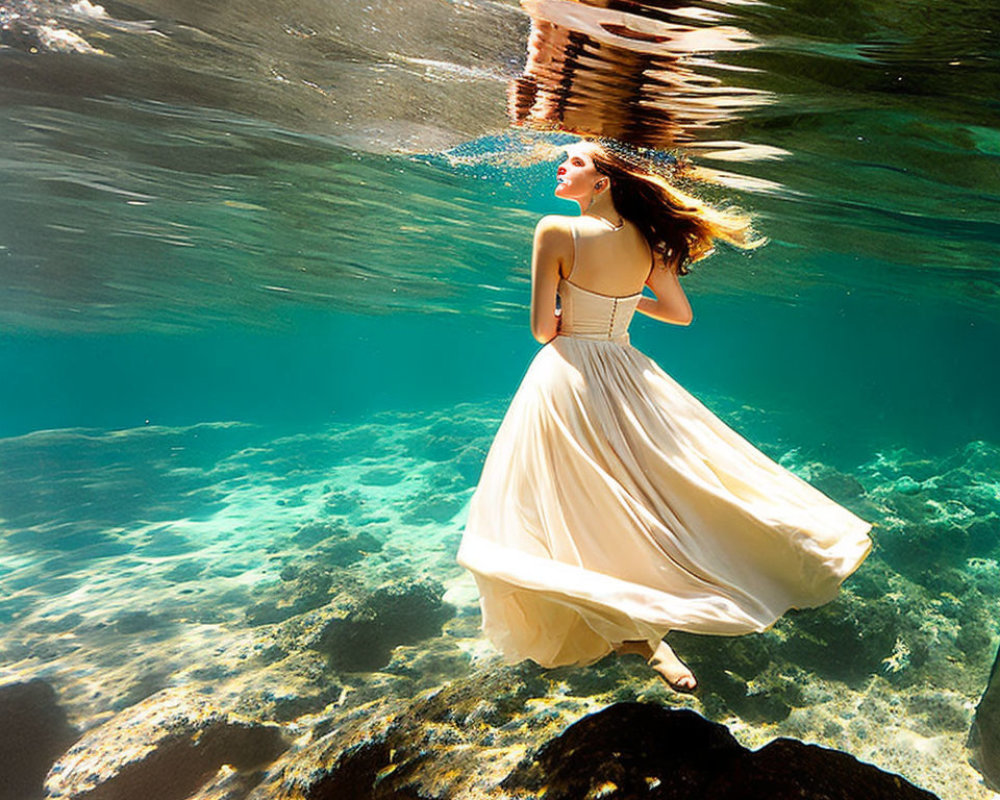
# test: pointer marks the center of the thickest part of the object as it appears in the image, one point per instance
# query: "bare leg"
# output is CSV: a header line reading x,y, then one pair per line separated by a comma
x,y
665,662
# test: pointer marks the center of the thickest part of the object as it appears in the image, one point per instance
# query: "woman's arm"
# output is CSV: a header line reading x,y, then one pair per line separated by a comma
x,y
550,250
671,304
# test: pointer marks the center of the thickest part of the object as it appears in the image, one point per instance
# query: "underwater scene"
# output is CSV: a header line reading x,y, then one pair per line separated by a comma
x,y
265,274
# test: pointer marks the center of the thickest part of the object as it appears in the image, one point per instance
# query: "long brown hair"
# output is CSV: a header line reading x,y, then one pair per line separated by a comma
x,y
678,226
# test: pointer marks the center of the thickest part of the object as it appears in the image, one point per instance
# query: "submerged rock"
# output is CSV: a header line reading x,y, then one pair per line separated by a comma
x,y
33,732
984,737
401,612
302,588
456,742
633,750
838,485
302,591
847,639
484,737
165,748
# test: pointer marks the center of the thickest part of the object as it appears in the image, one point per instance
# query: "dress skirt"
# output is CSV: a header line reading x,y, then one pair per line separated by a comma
x,y
614,506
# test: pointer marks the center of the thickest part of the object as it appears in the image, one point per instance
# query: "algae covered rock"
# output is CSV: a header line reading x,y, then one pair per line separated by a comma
x,y
363,636
633,750
485,737
835,484
300,591
306,586
164,748
456,742
33,732
984,737
742,674
848,639
297,684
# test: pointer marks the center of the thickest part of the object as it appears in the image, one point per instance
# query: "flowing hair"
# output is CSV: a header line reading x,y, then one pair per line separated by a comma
x,y
678,226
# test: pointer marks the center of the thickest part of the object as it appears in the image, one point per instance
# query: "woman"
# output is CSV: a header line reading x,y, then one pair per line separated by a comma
x,y
613,507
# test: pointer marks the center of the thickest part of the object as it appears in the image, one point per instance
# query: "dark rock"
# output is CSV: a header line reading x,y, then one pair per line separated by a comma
x,y
975,633
314,532
871,579
845,640
984,736
165,748
631,750
601,677
33,732
309,588
787,768
984,535
636,750
921,546
401,612
429,666
745,656
333,543
456,743
341,553
347,763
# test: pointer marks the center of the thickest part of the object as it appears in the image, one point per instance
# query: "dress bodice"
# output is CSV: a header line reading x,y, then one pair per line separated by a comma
x,y
590,315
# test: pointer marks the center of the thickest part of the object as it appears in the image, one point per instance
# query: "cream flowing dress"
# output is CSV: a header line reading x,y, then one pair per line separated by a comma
x,y
614,506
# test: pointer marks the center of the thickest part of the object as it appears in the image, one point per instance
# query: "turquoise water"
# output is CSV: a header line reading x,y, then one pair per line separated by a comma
x,y
255,316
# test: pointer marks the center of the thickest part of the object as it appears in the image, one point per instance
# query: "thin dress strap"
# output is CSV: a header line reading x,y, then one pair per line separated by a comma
x,y
576,247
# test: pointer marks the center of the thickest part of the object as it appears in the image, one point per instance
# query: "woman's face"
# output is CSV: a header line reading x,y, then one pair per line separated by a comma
x,y
577,175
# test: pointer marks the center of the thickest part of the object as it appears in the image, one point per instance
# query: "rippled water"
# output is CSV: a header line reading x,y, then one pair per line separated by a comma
x,y
303,215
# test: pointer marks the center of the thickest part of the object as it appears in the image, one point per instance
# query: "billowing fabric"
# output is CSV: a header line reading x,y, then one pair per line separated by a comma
x,y
614,506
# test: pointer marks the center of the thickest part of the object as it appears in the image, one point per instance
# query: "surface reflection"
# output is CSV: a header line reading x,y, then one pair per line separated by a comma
x,y
636,72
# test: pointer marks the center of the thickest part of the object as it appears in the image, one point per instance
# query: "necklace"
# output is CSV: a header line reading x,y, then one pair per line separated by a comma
x,y
617,227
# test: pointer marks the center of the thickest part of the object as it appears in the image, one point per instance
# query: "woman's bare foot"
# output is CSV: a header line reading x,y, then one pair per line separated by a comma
x,y
665,662
674,671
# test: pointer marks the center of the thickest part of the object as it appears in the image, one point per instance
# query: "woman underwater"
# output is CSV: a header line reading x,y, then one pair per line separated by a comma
x,y
613,506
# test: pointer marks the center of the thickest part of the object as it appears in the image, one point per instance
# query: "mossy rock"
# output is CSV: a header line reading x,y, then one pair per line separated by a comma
x,y
847,639
401,612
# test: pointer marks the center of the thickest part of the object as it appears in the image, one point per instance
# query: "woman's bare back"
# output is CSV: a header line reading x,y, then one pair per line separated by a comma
x,y
608,261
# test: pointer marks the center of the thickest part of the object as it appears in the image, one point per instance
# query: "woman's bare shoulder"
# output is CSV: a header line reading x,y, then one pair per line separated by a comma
x,y
554,226
554,222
